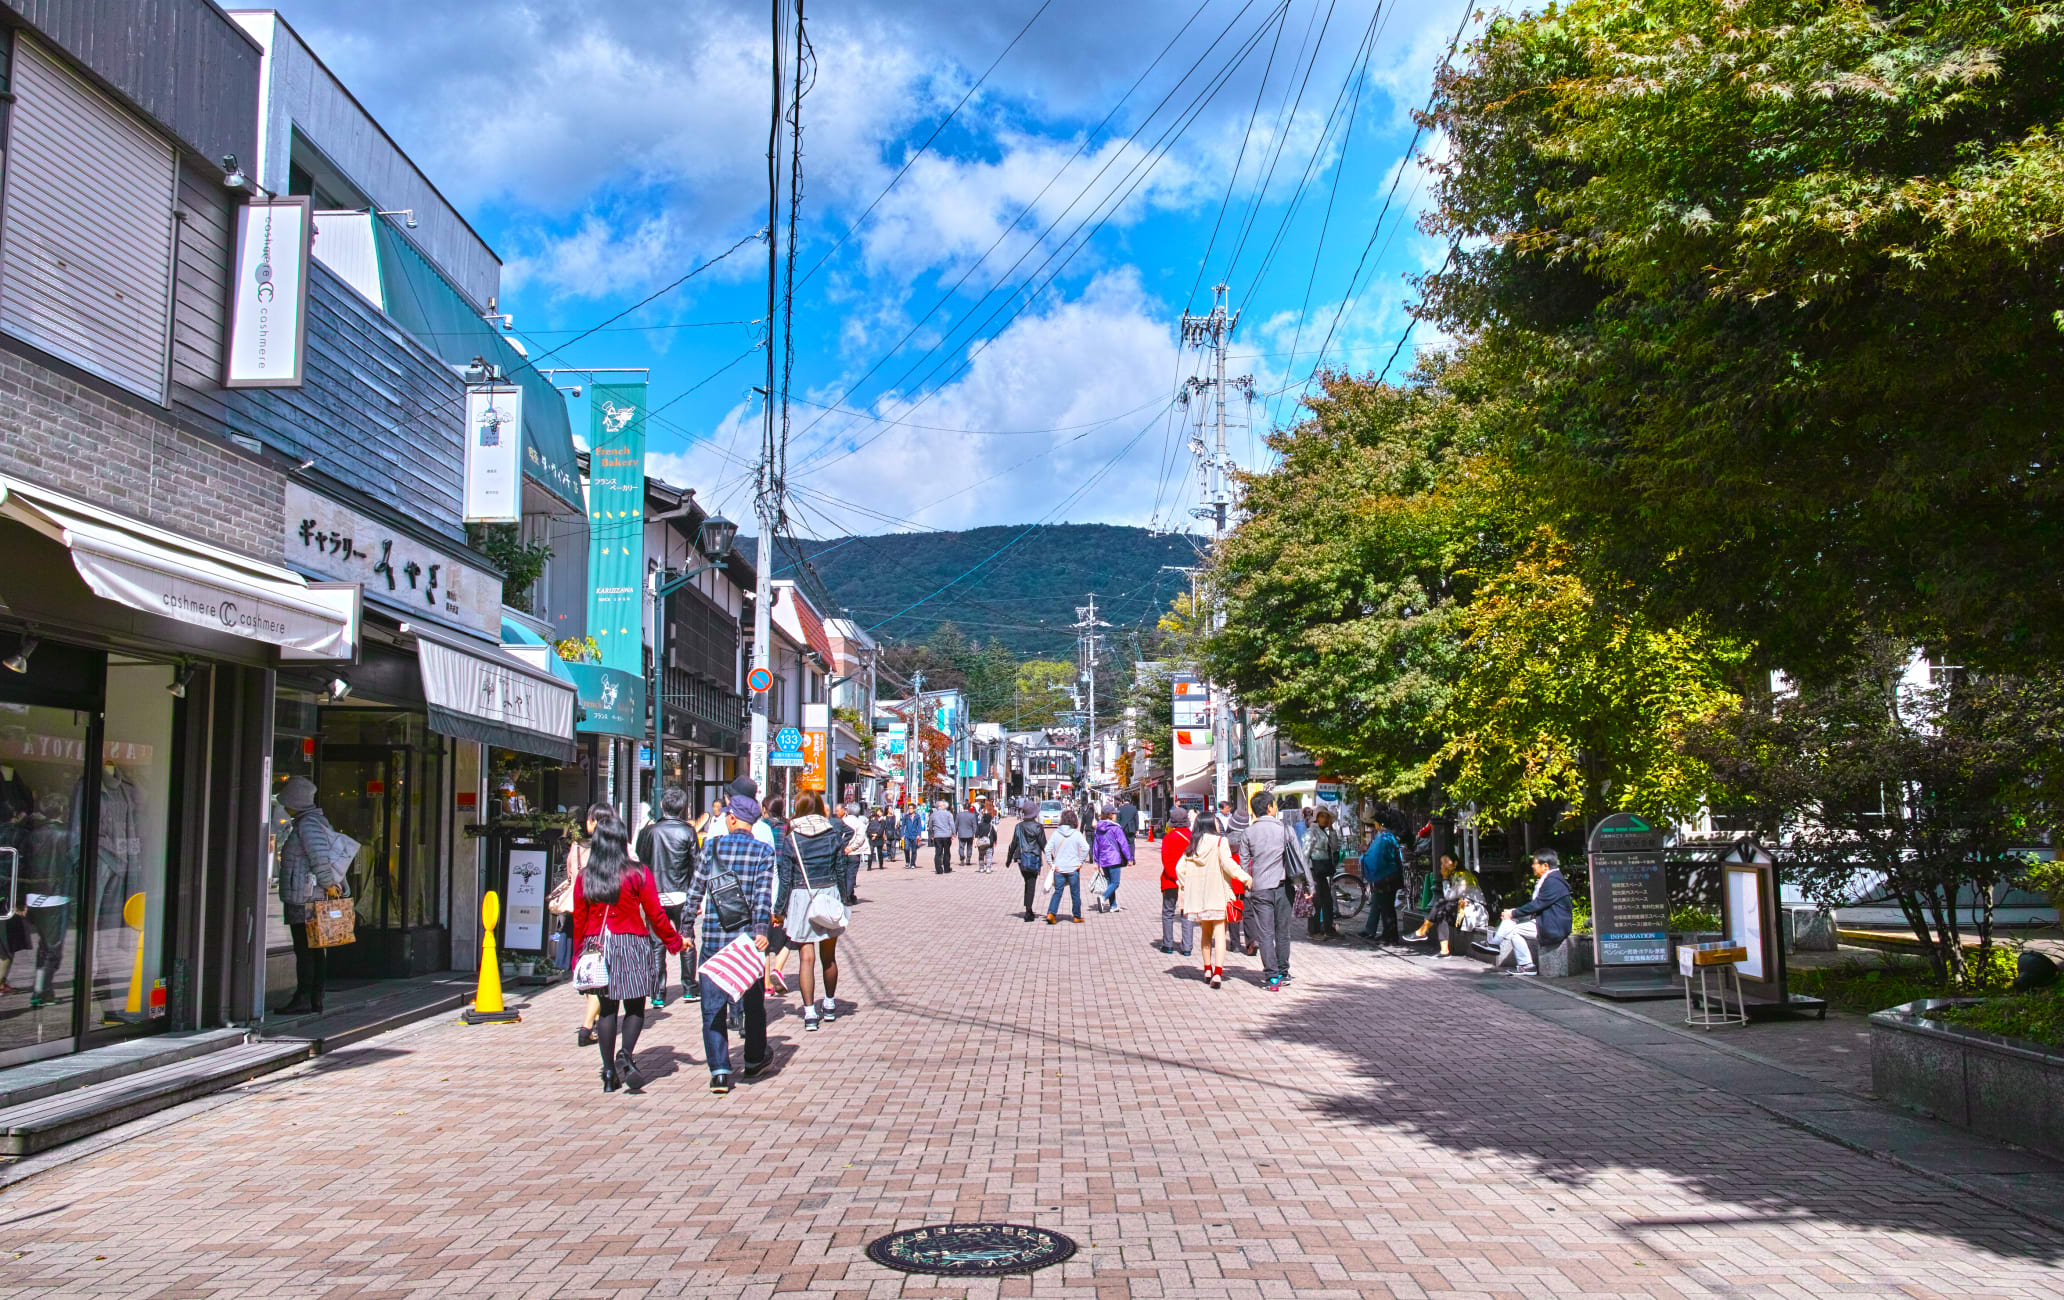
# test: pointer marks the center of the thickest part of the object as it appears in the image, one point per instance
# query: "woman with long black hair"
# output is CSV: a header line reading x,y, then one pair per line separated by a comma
x,y
616,903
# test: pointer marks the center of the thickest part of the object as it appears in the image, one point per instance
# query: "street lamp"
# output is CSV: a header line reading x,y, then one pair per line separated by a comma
x,y
715,537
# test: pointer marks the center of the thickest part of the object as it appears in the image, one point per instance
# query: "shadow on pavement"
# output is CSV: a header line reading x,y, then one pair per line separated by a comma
x,y
1577,1112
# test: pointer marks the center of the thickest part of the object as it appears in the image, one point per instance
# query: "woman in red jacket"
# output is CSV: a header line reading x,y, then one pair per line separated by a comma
x,y
1173,845
616,902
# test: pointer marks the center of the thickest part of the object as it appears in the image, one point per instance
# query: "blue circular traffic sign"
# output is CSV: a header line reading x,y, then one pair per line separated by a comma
x,y
759,679
788,738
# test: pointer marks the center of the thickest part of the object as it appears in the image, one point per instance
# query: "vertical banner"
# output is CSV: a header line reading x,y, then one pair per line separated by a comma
x,y
268,295
616,523
494,456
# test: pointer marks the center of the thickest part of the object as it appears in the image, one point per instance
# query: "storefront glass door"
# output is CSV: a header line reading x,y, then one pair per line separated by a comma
x,y
358,789
42,776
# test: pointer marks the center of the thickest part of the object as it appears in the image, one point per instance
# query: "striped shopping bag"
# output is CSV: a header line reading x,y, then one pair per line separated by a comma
x,y
736,967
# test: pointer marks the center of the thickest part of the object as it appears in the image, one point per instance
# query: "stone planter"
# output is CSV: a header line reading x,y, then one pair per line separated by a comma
x,y
1571,957
2001,1087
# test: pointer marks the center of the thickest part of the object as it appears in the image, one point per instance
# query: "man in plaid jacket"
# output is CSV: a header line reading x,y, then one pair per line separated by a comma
x,y
735,860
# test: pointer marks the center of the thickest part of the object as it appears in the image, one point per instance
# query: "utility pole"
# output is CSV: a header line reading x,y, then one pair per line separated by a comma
x,y
1086,625
913,744
1215,331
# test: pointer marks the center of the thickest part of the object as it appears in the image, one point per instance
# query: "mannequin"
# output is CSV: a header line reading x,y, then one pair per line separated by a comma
x,y
50,861
17,803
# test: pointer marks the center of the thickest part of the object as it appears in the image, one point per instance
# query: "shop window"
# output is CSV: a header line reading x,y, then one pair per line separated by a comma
x,y
42,769
132,787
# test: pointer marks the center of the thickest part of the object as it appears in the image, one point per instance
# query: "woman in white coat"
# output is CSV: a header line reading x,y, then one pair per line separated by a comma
x,y
1203,886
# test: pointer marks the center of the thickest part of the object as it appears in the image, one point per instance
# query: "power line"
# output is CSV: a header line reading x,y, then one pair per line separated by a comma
x,y
912,160
1027,209
1418,127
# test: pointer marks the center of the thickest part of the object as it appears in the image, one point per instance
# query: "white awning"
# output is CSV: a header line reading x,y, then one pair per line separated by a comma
x,y
160,572
496,699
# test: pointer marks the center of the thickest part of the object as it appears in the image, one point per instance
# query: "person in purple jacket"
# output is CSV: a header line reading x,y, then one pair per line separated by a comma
x,y
1111,849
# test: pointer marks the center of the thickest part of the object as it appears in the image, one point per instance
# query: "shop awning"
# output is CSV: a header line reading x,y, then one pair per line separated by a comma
x,y
492,698
157,571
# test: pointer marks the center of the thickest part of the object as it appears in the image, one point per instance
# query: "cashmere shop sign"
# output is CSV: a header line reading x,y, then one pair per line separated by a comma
x,y
268,295
397,571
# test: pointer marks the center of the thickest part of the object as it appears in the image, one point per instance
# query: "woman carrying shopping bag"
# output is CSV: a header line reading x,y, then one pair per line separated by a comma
x,y
616,905
1206,880
809,900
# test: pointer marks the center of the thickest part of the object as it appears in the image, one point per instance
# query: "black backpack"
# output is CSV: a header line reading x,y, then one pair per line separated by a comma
x,y
727,895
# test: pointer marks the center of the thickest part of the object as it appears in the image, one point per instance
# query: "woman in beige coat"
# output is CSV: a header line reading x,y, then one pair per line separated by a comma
x,y
1204,885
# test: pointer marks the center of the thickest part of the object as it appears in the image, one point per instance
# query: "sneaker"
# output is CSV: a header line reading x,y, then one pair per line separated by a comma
x,y
1526,971
692,995
1273,983
1115,908
1051,919
776,984
1184,951
1442,956
810,1018
658,1001
830,1010
754,1069
720,1083
1076,919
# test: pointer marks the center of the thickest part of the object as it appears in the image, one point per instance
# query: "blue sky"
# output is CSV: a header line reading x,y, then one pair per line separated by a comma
x,y
960,359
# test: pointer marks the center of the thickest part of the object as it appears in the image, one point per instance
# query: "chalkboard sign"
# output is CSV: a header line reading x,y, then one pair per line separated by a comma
x,y
1630,909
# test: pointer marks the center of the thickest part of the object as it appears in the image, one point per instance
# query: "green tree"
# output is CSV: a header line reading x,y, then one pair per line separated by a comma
x,y
1039,693
1778,284
1342,586
1564,700
1920,790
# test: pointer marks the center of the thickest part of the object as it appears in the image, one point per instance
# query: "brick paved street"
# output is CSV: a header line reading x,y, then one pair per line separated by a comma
x,y
1377,1129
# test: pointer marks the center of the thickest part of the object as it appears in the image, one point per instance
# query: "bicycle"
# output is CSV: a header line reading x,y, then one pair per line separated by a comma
x,y
1350,895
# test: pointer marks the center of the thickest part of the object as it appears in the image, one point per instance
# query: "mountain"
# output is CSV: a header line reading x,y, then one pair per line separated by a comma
x,y
1025,598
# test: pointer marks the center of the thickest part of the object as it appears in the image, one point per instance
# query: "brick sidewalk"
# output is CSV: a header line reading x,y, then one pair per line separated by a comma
x,y
1373,1130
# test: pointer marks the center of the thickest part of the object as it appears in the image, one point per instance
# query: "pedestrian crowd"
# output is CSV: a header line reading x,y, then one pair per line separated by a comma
x,y
739,894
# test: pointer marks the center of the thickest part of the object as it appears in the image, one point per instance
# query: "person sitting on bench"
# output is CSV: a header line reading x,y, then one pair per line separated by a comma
x,y
1461,906
1541,922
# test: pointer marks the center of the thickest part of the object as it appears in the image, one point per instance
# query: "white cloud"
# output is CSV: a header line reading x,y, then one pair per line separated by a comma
x,y
1094,370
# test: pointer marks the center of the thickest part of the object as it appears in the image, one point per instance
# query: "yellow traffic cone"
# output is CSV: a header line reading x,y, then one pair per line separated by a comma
x,y
487,1006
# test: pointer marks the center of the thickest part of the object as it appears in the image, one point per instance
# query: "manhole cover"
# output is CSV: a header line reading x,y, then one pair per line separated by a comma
x,y
970,1249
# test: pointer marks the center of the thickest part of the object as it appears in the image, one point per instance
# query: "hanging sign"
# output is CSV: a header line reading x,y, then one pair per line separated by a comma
x,y
268,296
494,455
616,523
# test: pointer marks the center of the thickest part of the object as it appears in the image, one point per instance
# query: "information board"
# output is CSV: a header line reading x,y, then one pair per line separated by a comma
x,y
1630,909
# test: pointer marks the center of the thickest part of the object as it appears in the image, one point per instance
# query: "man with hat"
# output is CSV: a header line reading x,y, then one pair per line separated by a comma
x,y
737,879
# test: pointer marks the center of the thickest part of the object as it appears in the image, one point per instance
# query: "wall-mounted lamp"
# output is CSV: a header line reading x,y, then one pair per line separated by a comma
x,y
481,371
182,673
233,177
19,660
305,465
408,215
336,690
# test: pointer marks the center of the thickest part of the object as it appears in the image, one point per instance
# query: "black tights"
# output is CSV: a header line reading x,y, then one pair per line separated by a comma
x,y
633,1025
1031,886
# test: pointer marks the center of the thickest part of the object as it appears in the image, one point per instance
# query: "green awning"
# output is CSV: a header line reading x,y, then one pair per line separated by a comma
x,y
425,304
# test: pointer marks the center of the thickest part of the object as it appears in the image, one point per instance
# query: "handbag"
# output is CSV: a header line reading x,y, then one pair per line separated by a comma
x,y
591,972
1301,907
330,923
827,913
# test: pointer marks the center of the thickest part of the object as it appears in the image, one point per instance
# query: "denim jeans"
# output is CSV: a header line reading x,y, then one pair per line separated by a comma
x,y
1168,919
1382,923
1111,889
1070,881
716,1020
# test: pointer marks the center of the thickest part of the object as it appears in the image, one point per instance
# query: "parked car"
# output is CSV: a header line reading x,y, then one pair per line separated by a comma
x,y
1050,812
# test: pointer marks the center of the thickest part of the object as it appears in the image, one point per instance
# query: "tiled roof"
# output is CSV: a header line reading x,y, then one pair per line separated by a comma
x,y
800,620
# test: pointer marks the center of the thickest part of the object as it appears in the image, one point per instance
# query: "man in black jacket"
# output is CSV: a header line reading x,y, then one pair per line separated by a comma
x,y
669,847
1541,922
